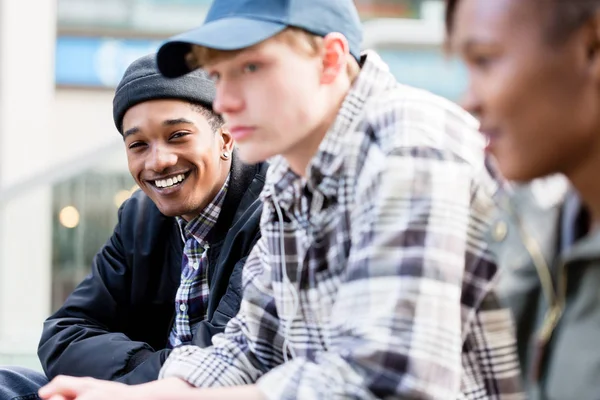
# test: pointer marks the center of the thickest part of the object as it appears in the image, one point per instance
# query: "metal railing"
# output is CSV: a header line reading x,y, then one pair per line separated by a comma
x,y
59,172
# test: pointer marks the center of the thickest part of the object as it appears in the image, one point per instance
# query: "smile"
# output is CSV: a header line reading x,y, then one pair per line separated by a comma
x,y
170,182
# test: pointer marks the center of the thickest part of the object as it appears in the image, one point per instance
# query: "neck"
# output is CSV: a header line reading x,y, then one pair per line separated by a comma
x,y
225,168
299,158
305,151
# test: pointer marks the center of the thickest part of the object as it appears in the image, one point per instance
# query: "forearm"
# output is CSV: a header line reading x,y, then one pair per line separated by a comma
x,y
177,389
67,387
248,392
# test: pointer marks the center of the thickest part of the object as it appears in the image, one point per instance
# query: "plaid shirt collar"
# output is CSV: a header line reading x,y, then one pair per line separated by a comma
x,y
200,226
325,166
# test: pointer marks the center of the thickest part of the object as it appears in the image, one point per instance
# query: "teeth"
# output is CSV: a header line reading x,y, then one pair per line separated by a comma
x,y
163,183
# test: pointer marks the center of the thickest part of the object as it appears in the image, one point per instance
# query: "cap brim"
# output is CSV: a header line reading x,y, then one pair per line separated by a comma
x,y
223,34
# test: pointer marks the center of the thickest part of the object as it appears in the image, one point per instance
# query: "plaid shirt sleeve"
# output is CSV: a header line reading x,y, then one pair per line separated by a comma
x,y
226,363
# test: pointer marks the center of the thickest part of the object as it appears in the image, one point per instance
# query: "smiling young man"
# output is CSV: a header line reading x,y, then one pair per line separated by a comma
x,y
170,275
372,277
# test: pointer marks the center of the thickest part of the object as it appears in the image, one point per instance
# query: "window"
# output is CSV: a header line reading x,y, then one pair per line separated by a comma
x,y
84,214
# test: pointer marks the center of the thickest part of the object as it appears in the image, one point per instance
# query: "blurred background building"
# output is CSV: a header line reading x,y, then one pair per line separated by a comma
x,y
63,172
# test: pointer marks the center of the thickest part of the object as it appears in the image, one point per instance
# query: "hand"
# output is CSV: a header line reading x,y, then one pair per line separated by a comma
x,y
71,388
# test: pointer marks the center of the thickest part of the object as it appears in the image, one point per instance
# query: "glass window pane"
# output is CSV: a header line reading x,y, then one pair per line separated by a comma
x,y
84,212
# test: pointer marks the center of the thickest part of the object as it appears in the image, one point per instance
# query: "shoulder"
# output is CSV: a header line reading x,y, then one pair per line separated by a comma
x,y
139,214
410,133
542,193
404,119
137,206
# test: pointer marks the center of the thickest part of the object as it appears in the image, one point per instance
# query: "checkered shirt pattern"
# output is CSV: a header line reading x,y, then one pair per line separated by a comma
x,y
373,274
191,298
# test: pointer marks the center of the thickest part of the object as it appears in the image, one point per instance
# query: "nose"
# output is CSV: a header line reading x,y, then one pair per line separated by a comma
x,y
228,99
471,101
160,158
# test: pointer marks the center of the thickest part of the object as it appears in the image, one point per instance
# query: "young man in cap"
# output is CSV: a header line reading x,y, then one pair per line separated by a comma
x,y
372,278
170,275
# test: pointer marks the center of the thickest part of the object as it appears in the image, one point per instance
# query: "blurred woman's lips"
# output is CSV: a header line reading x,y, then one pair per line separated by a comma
x,y
491,136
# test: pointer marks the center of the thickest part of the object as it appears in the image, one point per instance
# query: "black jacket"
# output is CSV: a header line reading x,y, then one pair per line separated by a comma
x,y
116,324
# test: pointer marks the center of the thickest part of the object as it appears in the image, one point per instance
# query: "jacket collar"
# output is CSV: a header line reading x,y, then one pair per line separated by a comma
x,y
587,248
245,184
532,211
576,246
547,209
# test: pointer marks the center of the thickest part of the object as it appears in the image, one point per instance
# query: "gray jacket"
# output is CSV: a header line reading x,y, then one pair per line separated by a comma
x,y
551,281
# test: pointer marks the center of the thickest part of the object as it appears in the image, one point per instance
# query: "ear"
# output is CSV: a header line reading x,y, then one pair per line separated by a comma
x,y
336,49
226,139
591,37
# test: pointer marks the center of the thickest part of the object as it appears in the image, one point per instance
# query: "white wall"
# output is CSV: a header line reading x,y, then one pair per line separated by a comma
x,y
83,125
40,128
26,100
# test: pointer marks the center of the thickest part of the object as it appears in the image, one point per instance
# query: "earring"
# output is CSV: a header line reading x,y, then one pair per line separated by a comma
x,y
225,155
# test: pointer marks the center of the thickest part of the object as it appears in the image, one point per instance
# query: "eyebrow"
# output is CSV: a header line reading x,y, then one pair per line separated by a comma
x,y
130,132
177,121
472,43
168,122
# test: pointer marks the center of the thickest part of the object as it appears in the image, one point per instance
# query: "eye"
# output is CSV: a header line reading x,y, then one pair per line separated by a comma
x,y
136,145
481,61
250,67
178,135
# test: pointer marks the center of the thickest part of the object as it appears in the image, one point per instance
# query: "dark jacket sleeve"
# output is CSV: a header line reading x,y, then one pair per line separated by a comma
x,y
82,338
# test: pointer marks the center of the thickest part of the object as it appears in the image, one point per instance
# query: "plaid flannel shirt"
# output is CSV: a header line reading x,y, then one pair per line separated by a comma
x,y
373,273
191,299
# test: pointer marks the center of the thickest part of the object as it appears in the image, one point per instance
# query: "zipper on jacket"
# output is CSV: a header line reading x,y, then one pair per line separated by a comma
x,y
554,297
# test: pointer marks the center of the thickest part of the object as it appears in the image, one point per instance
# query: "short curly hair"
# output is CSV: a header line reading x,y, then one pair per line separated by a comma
x,y
215,121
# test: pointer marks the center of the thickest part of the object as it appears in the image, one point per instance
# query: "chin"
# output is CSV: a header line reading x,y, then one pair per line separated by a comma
x,y
250,155
169,212
521,173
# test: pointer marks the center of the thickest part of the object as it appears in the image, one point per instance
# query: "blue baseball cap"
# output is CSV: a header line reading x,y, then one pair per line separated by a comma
x,y
238,24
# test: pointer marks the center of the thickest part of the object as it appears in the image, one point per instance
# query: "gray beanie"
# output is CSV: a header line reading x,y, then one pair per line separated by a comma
x,y
142,82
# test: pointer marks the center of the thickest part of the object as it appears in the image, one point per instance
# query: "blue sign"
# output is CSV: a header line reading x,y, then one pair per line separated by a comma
x,y
101,62
96,61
